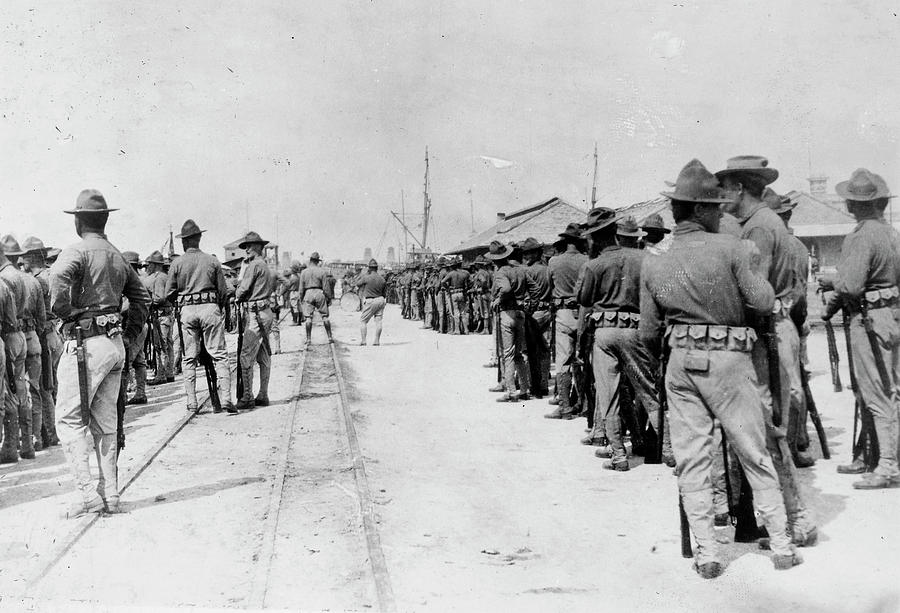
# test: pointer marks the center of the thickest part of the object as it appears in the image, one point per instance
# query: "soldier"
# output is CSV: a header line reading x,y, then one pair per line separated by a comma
x,y
176,339
537,316
743,182
34,322
371,288
655,234
428,315
255,290
51,343
865,285
312,292
695,296
628,234
136,359
196,285
296,312
87,284
17,420
564,271
456,286
161,317
609,290
416,286
509,291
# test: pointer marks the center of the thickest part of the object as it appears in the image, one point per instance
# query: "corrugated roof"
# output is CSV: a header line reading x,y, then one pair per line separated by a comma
x,y
642,210
824,210
542,221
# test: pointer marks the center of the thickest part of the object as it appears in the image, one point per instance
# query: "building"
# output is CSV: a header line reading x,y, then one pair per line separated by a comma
x,y
233,253
542,221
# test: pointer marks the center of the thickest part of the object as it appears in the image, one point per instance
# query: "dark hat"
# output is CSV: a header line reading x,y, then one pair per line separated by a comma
x,y
252,238
779,204
696,184
498,251
373,263
455,262
572,231
530,244
90,201
32,244
755,165
9,245
480,260
862,187
189,229
155,258
314,257
654,223
297,266
597,219
628,227
132,258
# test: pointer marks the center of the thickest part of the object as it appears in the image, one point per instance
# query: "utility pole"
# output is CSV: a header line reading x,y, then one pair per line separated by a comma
x,y
403,223
472,210
594,188
427,205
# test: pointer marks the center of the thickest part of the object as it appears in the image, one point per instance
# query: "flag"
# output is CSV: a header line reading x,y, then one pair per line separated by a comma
x,y
497,162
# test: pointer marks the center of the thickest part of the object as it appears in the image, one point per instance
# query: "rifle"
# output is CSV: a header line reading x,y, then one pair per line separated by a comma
x,y
767,333
156,333
239,388
46,363
586,389
121,402
814,413
212,379
498,346
470,320
263,335
81,358
867,444
552,333
684,526
833,356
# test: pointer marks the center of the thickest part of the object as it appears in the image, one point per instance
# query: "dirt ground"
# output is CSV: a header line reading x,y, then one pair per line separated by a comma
x,y
480,506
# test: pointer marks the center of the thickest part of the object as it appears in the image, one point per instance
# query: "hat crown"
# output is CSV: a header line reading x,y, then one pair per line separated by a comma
x,y
600,216
629,224
155,258
373,263
696,184
654,221
10,245
314,256
252,237
32,243
531,244
131,257
862,183
190,228
746,162
90,200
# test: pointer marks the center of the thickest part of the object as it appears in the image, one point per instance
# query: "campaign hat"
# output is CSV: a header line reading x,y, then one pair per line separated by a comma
x,y
373,263
90,201
628,227
32,244
572,231
190,228
779,204
531,244
9,245
755,165
597,219
498,251
132,258
654,223
252,238
863,186
314,257
155,258
696,184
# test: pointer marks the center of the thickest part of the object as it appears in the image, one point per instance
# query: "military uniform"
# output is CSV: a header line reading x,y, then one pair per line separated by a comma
x,y
538,314
312,291
33,326
255,289
564,271
196,284
693,299
161,318
456,287
17,420
136,356
87,284
372,287
509,291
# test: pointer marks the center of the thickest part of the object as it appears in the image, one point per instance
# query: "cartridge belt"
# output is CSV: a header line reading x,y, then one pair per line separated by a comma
x,y
882,298
711,337
207,297
259,305
109,324
615,319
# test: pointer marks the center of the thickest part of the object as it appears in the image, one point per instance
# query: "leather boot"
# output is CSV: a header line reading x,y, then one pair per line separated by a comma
x,y
77,453
26,445
264,384
9,452
698,506
140,382
856,467
564,390
223,379
107,458
327,325
770,505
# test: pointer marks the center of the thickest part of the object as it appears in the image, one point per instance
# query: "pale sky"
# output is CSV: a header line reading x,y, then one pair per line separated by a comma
x,y
317,114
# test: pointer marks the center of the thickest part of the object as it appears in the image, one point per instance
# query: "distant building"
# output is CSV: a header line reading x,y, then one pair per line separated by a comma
x,y
391,257
367,254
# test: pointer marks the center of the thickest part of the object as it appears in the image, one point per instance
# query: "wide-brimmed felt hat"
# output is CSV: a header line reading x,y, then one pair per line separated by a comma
x,y
756,165
597,219
531,244
654,223
373,263
480,260
52,253
90,201
32,244
189,228
9,245
863,186
628,227
498,251
155,258
696,184
572,232
779,204
314,257
132,258
252,238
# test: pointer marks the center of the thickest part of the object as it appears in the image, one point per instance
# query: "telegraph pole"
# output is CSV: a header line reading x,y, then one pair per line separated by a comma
x,y
594,188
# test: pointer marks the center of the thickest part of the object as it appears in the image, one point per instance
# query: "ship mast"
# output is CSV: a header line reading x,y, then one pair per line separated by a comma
x,y
427,205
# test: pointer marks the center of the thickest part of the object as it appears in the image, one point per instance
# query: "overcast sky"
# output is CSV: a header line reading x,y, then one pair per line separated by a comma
x,y
317,114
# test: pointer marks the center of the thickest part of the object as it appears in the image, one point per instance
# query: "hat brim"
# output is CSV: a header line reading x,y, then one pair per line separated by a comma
x,y
683,198
245,243
567,236
843,192
650,229
769,175
88,211
592,229
13,253
190,235
507,251
633,234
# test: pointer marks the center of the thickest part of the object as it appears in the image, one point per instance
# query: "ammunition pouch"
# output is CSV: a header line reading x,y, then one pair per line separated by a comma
x,y
711,338
615,319
882,298
97,325
259,305
533,306
207,297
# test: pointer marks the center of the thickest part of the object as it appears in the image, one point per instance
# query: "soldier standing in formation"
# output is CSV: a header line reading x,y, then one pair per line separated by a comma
x,y
537,316
509,291
255,292
162,314
481,296
87,285
196,284
135,358
371,287
312,293
456,287
17,439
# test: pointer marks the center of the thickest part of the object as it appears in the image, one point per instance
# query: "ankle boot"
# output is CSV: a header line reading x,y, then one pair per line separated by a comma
x,y
698,506
77,451
107,458
26,443
9,452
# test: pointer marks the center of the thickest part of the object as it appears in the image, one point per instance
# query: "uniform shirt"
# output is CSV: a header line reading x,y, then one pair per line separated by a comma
x,y
156,286
510,287
34,303
15,281
258,281
195,272
7,309
801,271
765,228
312,277
611,281
43,277
537,276
372,284
90,277
457,279
482,280
564,270
868,260
703,279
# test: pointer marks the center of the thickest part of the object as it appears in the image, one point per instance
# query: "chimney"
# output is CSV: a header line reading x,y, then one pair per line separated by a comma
x,y
501,217
817,185
367,253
